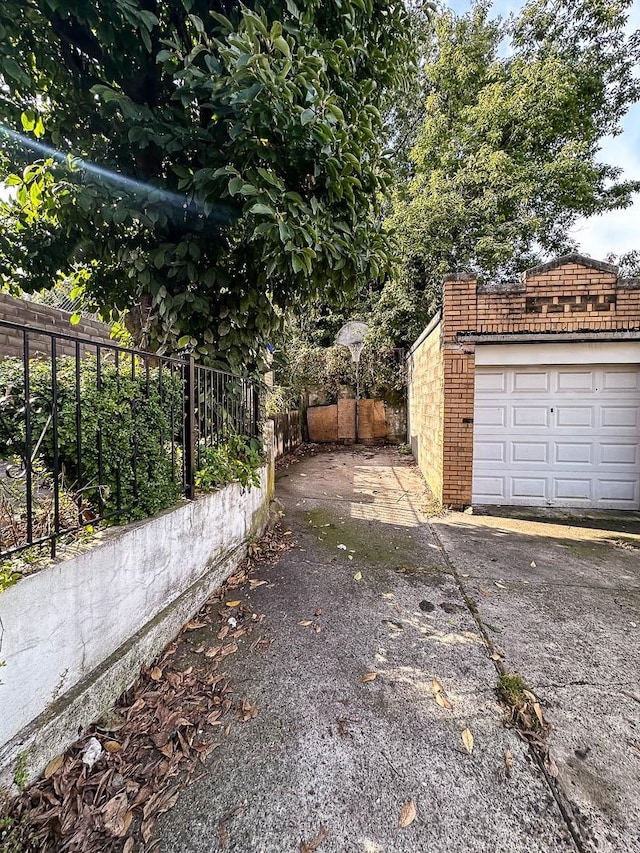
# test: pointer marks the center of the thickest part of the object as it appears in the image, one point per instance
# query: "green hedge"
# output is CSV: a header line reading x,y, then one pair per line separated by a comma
x,y
129,415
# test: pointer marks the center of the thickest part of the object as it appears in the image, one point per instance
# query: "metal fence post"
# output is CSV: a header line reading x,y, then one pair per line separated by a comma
x,y
190,428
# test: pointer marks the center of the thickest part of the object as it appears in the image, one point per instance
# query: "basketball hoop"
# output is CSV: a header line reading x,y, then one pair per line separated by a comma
x,y
352,335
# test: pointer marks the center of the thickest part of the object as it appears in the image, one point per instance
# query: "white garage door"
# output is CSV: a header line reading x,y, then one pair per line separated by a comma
x,y
557,436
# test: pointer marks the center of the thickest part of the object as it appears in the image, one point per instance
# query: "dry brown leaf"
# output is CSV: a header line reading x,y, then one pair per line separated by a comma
x,y
53,766
318,612
254,584
115,815
213,651
443,701
306,623
508,761
369,676
467,740
229,650
538,712
408,814
222,633
232,603
436,686
552,767
484,592
156,673
112,746
128,845
191,626
311,846
499,585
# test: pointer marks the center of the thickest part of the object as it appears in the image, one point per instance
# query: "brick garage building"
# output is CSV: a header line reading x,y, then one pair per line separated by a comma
x,y
529,394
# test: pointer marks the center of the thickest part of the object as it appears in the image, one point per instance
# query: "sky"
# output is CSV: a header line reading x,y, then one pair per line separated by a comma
x,y
619,230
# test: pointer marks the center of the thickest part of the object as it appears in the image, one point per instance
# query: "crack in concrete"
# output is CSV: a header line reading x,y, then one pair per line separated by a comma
x,y
556,789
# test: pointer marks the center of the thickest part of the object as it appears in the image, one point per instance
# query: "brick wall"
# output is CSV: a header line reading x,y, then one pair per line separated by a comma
x,y
566,296
571,295
425,403
25,313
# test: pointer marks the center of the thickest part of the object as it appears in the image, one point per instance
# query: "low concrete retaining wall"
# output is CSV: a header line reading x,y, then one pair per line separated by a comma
x,y
76,633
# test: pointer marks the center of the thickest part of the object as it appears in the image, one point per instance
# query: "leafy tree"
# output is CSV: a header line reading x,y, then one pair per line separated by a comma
x,y
209,162
507,155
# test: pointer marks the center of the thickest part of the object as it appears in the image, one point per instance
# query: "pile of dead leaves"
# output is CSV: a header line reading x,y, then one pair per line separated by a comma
x,y
153,743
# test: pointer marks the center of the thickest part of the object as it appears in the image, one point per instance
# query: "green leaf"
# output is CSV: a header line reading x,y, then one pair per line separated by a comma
x,y
307,116
184,341
262,208
282,45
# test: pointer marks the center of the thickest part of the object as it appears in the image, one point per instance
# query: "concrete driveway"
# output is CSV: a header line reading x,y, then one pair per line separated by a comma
x,y
560,594
377,696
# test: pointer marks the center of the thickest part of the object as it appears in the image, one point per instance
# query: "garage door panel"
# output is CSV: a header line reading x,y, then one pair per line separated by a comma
x,y
618,489
529,451
488,382
534,488
572,381
490,489
615,417
573,453
621,380
575,416
491,416
618,453
558,436
570,488
531,382
529,416
491,451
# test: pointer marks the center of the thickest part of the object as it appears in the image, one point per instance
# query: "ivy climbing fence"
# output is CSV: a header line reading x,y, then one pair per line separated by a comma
x,y
97,432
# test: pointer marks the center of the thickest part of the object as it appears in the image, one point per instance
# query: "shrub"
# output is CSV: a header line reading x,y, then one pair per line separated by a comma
x,y
238,460
129,417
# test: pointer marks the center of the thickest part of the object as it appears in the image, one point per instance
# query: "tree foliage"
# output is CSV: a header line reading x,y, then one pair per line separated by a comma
x,y
506,155
216,161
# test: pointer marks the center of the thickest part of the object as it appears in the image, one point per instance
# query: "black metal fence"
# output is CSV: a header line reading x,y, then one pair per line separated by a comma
x,y
106,433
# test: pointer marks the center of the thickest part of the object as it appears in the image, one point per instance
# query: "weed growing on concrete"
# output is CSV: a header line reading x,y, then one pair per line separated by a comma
x,y
525,712
20,773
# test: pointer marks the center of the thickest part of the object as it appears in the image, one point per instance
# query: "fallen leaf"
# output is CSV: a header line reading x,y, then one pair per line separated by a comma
x,y
128,845
484,592
311,846
369,676
496,656
533,564
508,761
112,746
213,651
116,815
232,603
305,623
443,701
357,576
229,650
538,713
254,584
436,686
191,626
156,673
499,585
552,767
467,739
318,612
408,814
53,766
